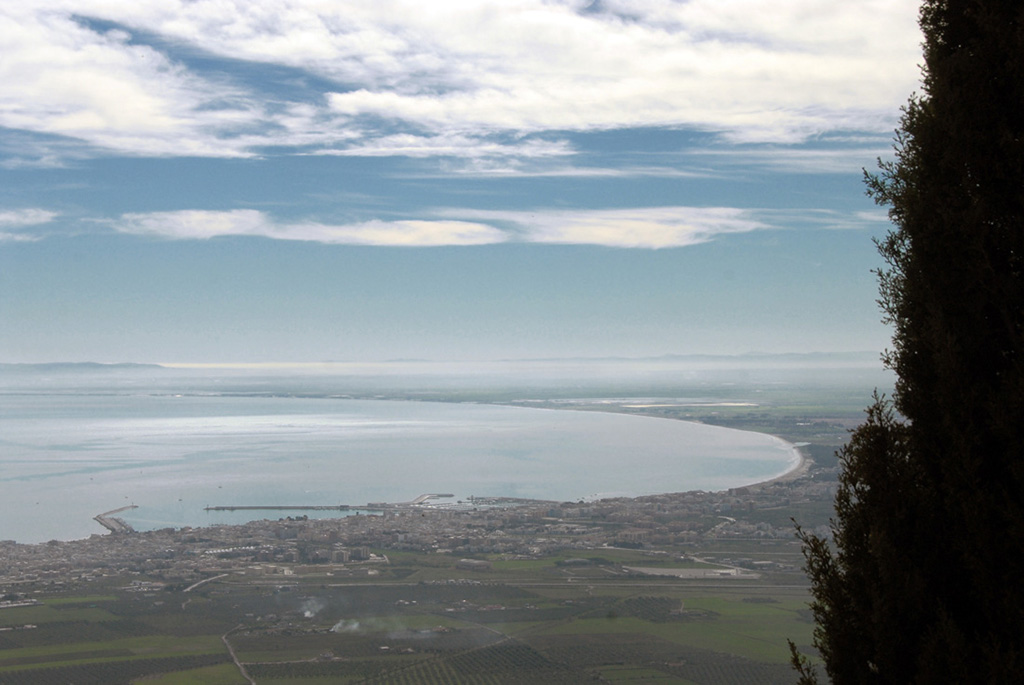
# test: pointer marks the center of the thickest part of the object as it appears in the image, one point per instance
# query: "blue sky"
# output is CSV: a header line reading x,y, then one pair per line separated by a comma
x,y
300,181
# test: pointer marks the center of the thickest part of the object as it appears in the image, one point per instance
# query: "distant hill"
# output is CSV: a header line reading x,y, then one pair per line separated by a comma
x,y
73,367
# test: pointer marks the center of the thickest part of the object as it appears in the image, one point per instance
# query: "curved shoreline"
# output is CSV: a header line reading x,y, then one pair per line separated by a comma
x,y
800,469
659,478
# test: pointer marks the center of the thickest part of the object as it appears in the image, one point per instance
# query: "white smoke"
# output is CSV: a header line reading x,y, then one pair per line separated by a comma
x,y
344,626
311,607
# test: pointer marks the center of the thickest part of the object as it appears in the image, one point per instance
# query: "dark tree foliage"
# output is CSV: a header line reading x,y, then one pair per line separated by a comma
x,y
924,580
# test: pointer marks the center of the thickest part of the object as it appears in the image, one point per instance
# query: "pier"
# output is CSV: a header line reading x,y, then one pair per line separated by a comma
x,y
283,507
423,498
113,524
372,506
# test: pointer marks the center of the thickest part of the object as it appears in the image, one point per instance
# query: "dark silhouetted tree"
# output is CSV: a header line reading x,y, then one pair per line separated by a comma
x,y
924,579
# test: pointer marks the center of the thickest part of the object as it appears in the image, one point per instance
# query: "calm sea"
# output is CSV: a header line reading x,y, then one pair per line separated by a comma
x,y
65,457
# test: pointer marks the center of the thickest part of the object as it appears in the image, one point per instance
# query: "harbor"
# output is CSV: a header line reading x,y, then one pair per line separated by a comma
x,y
373,506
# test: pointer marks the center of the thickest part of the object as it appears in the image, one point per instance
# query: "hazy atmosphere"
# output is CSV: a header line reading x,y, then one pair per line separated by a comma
x,y
362,181
510,341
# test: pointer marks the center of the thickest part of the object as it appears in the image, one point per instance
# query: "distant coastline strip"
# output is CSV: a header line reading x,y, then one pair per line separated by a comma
x,y
296,507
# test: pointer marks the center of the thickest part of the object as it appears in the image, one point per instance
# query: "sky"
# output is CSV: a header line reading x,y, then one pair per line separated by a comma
x,y
302,181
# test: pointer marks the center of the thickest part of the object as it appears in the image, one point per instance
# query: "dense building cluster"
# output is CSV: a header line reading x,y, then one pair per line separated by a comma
x,y
527,528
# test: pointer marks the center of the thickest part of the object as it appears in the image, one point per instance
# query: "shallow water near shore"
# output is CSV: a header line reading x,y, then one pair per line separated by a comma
x,y
66,457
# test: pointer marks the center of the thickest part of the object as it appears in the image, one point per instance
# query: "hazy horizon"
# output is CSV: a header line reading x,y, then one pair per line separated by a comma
x,y
856,356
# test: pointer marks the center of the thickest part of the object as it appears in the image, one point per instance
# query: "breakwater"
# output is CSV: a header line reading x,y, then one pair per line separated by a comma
x,y
286,507
373,506
114,524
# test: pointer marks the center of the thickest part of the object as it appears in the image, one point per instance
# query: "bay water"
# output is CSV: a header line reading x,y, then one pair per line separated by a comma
x,y
68,456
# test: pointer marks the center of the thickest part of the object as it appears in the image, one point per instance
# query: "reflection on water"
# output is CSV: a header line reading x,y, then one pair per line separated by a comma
x,y
68,457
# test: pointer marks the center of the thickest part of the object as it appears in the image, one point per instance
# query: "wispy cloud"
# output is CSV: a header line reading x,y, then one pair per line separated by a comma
x,y
843,159
14,221
515,168
447,76
825,219
204,224
18,218
648,227
451,145
632,228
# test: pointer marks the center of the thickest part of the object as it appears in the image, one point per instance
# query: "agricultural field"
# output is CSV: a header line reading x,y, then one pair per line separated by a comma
x,y
559,619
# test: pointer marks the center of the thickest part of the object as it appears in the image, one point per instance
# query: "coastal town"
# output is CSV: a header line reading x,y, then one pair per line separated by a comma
x,y
708,587
356,543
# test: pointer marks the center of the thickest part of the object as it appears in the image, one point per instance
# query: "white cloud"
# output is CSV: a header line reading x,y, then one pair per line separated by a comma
x,y
7,237
196,224
749,69
831,160
17,218
205,224
649,227
452,145
516,170
755,70
13,221
63,78
408,233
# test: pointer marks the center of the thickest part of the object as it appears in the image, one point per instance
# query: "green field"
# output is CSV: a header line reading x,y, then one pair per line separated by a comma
x,y
565,618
